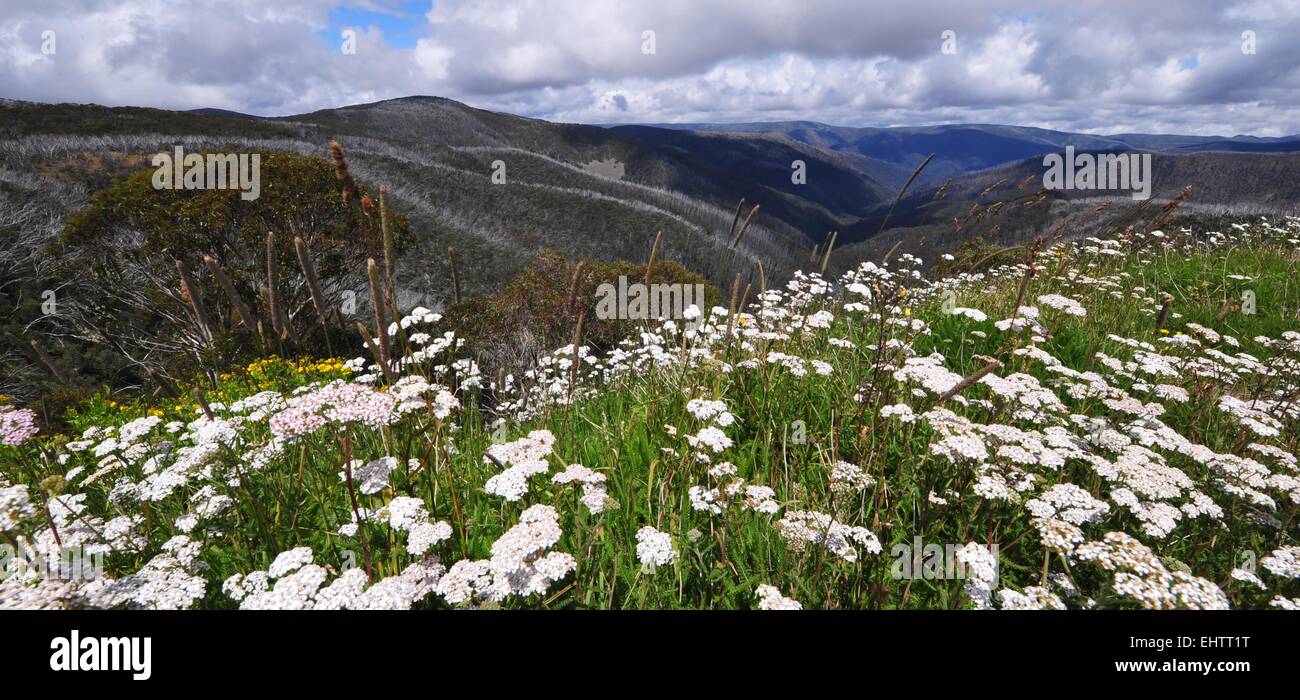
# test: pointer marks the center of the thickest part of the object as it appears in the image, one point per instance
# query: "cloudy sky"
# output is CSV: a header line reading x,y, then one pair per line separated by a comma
x,y
1102,66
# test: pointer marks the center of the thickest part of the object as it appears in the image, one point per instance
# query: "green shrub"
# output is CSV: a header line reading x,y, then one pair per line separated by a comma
x,y
532,314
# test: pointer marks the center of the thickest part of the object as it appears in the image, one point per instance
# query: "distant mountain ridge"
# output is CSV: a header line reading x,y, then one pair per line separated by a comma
x,y
963,148
436,157
215,112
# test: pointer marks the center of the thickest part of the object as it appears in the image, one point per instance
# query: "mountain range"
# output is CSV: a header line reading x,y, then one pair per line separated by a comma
x,y
604,191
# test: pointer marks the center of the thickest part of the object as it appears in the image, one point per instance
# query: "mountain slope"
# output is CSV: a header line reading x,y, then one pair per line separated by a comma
x,y
963,148
437,158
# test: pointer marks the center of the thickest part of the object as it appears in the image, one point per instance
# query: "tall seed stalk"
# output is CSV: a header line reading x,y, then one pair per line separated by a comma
x,y
654,251
577,358
191,293
826,257
48,364
390,255
381,322
279,322
455,275
575,280
744,227
313,285
245,314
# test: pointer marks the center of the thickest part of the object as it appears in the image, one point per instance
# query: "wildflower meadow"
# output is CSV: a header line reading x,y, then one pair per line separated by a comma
x,y
1105,423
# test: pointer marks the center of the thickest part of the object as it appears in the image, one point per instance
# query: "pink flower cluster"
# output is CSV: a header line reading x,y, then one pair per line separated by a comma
x,y
338,402
17,426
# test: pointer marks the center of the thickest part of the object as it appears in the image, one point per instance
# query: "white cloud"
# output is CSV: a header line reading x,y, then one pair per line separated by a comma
x,y
1097,66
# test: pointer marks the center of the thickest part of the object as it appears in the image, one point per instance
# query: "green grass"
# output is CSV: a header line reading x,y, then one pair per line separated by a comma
x,y
622,426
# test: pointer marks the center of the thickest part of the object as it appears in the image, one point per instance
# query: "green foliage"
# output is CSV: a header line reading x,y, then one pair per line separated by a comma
x,y
299,197
121,249
537,311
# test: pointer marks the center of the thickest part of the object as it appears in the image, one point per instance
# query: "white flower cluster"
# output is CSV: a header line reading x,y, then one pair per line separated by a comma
x,y
594,495
654,547
769,598
800,528
299,584
521,563
523,458
731,490
1284,562
981,568
371,477
1139,574
849,479
1033,598
1064,304
1070,503
407,514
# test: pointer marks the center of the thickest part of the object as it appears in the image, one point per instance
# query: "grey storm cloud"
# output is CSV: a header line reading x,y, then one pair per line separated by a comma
x,y
1103,66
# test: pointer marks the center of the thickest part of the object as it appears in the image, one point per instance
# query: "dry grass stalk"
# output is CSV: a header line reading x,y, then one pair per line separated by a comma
x,y
1168,212
890,253
1030,272
203,403
1224,309
313,286
731,233
313,282
574,281
272,295
381,322
826,257
654,251
342,173
744,227
390,254
245,314
731,306
994,186
762,279
899,197
455,275
48,364
191,293
942,192
1164,310
990,364
164,384
577,358
367,340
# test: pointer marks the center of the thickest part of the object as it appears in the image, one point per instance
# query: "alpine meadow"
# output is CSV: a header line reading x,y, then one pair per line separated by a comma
x,y
953,309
